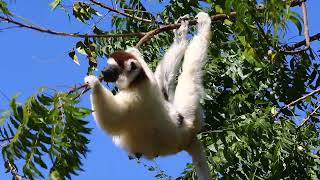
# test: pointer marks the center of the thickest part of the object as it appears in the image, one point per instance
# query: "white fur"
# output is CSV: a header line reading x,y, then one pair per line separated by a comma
x,y
140,120
127,77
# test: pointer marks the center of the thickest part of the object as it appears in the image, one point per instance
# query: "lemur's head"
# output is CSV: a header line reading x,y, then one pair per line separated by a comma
x,y
124,69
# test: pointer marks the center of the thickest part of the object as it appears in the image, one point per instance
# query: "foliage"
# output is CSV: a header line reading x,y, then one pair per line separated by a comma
x,y
46,125
248,79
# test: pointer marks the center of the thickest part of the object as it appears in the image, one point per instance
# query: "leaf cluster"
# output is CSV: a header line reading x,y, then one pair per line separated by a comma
x,y
46,132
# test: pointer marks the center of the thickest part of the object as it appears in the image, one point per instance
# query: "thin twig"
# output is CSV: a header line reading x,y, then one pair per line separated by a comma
x,y
10,27
305,32
301,98
120,12
264,35
4,95
305,120
297,100
85,88
48,31
6,139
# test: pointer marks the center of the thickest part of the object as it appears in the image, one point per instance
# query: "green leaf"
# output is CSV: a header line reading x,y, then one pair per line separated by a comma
x,y
39,161
55,3
218,9
151,168
4,115
227,22
55,175
3,8
296,21
228,6
73,56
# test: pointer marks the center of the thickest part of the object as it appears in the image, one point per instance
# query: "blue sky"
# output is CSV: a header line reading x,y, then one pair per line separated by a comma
x,y
31,59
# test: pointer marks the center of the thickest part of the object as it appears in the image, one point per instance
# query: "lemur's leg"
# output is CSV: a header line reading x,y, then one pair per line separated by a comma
x,y
189,89
198,155
167,69
104,105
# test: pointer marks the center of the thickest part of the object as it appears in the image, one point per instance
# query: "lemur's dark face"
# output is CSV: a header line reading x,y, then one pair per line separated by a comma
x,y
124,69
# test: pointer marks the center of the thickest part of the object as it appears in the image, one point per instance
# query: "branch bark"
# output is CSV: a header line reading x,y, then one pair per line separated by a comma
x,y
48,31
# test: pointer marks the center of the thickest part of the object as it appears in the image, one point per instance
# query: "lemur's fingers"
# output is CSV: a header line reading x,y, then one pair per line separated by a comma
x,y
91,80
182,18
181,33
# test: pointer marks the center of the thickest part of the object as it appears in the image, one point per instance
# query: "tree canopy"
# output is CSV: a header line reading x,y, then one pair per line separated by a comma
x,y
261,103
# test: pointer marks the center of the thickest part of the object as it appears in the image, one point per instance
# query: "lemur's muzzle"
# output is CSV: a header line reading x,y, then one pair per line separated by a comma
x,y
111,73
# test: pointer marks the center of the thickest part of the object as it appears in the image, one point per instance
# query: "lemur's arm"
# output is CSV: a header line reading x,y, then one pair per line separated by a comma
x,y
166,71
105,107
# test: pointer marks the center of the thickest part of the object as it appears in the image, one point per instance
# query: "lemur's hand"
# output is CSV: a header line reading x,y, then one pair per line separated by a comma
x,y
181,33
91,80
203,20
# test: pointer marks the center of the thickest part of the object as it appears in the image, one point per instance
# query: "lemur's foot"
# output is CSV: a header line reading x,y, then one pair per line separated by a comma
x,y
91,81
203,20
181,33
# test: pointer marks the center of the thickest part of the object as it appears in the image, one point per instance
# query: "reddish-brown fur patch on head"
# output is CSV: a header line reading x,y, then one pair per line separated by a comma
x,y
121,56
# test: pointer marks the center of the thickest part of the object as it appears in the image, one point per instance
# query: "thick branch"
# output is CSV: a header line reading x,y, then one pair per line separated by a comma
x,y
48,31
120,12
150,34
302,43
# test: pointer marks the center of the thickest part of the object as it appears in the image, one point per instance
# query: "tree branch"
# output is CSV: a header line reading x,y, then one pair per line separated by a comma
x,y
48,31
150,34
214,18
301,98
144,36
305,32
302,43
305,120
85,88
297,100
296,2
120,12
6,139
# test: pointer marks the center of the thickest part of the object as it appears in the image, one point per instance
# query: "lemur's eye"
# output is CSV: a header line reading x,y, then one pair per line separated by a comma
x,y
133,66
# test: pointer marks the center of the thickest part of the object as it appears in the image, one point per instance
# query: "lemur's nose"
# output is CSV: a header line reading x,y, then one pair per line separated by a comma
x,y
111,73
